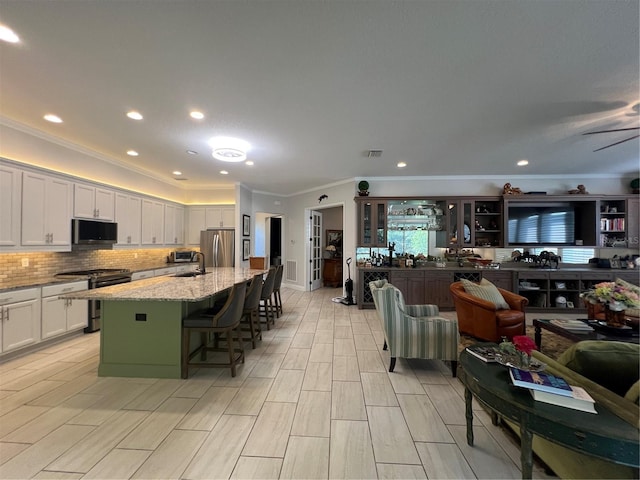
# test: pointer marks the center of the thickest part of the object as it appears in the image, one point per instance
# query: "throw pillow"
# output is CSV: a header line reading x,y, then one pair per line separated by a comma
x,y
487,291
614,365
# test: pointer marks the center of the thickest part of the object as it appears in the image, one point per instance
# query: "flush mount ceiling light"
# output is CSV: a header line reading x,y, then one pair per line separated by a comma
x,y
8,35
224,172
401,164
132,153
197,115
134,115
177,172
228,149
522,163
249,162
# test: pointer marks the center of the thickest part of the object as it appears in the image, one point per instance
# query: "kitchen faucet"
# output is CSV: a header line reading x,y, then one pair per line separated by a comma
x,y
201,266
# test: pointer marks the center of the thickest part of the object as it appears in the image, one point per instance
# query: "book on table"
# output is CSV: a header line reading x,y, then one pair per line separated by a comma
x,y
486,353
545,382
577,326
579,399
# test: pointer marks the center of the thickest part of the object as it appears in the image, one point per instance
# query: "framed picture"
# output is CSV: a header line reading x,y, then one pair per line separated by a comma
x,y
246,226
561,285
246,248
334,237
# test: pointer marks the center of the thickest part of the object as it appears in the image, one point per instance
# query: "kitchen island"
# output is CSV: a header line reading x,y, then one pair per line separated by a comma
x,y
142,321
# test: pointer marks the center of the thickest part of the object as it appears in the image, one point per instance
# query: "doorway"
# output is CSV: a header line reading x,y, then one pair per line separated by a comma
x,y
323,222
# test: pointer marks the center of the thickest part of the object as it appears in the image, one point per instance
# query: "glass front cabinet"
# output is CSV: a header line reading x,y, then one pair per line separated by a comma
x,y
373,224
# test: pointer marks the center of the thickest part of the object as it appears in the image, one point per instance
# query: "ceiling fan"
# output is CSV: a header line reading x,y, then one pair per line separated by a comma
x,y
615,130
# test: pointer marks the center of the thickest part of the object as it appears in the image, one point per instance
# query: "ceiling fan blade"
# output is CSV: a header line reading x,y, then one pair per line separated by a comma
x,y
616,130
618,143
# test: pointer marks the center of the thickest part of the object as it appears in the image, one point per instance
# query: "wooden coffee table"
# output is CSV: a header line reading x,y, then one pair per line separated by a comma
x,y
545,324
604,435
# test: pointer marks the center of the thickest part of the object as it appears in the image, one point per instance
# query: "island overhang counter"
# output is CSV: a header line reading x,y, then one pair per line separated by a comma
x,y
142,321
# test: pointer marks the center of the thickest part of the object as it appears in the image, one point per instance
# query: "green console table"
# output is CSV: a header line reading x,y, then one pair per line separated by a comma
x,y
604,435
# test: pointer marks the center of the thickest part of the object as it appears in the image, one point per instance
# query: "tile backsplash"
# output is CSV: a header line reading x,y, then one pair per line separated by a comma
x,y
42,264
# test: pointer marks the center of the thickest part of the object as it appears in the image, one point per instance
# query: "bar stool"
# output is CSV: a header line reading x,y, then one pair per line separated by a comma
x,y
266,308
250,313
223,322
277,299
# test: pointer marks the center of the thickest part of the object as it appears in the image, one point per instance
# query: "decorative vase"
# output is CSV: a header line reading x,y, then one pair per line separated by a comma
x,y
614,318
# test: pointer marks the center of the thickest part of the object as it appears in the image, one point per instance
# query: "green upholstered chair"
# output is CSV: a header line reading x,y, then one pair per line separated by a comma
x,y
414,331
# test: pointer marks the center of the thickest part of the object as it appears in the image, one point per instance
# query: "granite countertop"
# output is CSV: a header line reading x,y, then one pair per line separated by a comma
x,y
171,288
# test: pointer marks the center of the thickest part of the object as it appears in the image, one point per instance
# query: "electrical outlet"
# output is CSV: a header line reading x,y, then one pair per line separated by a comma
x,y
25,262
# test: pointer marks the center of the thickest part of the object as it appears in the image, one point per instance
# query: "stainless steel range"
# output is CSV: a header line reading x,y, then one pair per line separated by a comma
x,y
99,277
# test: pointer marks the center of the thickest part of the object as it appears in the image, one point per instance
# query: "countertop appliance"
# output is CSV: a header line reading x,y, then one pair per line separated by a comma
x,y
182,256
218,247
93,232
99,277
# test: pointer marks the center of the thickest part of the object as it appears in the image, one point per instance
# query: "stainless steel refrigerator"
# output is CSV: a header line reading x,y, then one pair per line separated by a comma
x,y
218,246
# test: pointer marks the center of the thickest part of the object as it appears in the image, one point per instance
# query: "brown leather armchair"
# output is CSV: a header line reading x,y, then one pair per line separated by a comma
x,y
481,319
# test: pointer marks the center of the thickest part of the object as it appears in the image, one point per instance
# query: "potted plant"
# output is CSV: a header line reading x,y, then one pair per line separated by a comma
x,y
363,188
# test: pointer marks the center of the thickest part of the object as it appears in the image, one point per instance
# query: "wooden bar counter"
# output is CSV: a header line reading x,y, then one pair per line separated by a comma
x,y
142,321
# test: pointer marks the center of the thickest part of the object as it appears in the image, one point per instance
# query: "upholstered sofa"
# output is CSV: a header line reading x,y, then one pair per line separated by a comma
x,y
414,331
609,371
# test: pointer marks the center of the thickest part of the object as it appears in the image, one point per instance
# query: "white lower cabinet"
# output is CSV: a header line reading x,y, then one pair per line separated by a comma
x,y
164,271
63,315
140,275
20,318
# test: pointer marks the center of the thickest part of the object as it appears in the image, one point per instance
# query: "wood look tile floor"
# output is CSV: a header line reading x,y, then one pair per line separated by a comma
x,y
313,400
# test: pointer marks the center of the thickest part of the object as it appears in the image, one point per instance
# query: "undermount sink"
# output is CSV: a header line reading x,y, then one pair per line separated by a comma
x,y
188,274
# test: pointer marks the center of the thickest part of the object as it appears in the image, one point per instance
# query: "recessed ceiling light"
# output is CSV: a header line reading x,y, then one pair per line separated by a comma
x,y
224,172
50,117
522,163
402,164
134,115
249,162
8,35
177,172
132,153
192,152
229,149
197,115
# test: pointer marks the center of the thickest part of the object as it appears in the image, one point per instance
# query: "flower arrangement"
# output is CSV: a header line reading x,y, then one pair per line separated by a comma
x,y
617,297
518,351
331,249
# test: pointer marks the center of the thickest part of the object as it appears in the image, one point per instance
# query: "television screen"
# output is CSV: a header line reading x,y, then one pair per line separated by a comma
x,y
541,225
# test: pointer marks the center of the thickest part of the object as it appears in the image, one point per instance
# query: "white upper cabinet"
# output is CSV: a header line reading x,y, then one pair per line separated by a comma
x,y
129,219
46,211
10,186
152,222
93,202
173,225
204,217
220,216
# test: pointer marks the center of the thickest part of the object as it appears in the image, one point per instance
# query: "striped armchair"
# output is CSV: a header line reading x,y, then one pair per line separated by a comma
x,y
414,331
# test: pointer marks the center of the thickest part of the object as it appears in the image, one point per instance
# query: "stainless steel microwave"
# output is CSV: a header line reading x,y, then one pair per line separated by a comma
x,y
181,256
93,232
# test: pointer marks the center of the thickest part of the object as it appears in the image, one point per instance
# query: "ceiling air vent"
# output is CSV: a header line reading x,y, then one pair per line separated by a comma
x,y
180,179
374,153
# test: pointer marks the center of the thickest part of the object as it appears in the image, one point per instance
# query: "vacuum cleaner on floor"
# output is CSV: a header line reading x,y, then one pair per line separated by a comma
x,y
348,286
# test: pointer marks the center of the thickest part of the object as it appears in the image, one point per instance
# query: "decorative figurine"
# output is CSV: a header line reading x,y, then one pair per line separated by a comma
x,y
509,190
581,190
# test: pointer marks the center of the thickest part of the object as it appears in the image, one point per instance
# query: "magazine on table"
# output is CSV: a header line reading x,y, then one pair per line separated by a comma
x,y
545,382
579,399
572,325
486,353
